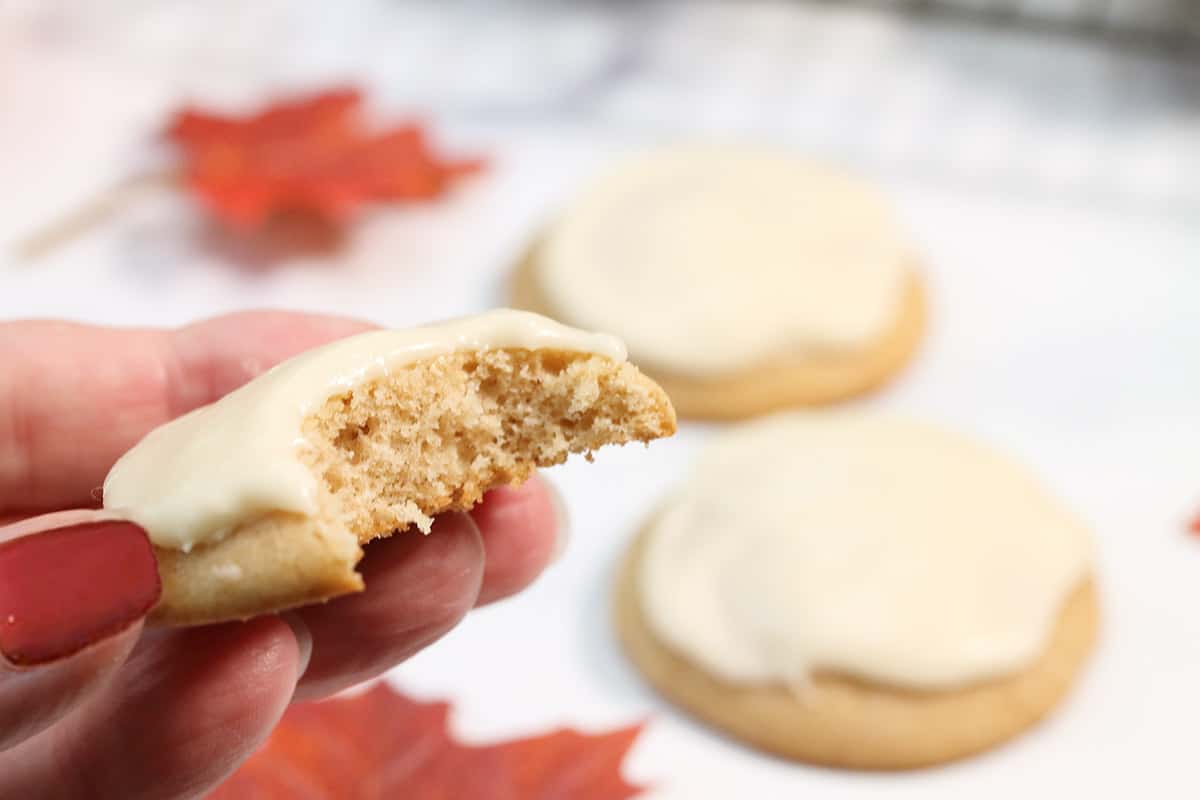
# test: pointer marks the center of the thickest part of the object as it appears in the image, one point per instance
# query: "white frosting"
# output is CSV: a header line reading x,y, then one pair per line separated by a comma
x,y
199,476
706,259
884,550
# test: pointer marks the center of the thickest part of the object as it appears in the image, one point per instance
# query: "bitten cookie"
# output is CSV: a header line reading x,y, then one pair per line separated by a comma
x,y
261,501
859,592
743,280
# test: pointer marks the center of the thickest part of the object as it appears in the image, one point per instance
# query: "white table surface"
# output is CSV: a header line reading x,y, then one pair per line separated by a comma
x,y
1065,333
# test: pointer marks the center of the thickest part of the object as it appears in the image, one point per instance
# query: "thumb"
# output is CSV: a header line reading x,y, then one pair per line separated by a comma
x,y
74,588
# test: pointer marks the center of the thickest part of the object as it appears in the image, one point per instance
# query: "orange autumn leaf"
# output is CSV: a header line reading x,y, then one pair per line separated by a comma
x,y
1194,526
313,155
381,744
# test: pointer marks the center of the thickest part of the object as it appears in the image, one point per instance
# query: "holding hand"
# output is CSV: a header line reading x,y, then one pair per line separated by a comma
x,y
92,704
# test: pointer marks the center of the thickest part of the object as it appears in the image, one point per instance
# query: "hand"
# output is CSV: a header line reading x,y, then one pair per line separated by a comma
x,y
94,705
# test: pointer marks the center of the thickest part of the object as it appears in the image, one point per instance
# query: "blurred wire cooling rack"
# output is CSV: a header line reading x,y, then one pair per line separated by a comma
x,y
1164,20
1083,101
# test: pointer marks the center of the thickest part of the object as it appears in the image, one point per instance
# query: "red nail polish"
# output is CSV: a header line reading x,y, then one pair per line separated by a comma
x,y
67,588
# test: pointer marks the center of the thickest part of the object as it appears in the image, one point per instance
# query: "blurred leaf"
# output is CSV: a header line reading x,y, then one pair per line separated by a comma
x,y
381,744
312,156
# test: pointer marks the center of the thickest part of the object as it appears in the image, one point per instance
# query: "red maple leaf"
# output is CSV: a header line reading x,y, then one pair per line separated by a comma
x,y
312,155
1194,526
381,744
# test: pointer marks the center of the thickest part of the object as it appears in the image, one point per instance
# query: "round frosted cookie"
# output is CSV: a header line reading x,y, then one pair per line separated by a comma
x,y
742,280
262,501
859,592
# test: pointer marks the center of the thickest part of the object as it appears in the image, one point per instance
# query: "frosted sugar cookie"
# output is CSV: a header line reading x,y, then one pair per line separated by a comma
x,y
260,501
860,592
742,280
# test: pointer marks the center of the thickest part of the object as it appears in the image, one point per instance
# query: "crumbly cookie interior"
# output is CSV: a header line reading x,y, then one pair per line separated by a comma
x,y
393,452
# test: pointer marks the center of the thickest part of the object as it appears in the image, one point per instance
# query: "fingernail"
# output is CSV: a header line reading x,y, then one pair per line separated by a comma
x,y
562,522
304,640
64,589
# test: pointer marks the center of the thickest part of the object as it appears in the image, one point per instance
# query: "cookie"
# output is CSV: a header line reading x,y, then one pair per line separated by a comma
x,y
263,500
883,649
744,281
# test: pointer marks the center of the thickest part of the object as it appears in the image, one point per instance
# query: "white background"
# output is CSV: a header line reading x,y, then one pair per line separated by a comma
x,y
1065,300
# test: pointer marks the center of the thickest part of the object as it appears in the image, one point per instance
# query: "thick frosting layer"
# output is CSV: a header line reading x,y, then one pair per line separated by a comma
x,y
879,549
196,478
706,260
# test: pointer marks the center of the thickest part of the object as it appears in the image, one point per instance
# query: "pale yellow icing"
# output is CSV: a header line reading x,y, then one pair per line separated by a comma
x,y
880,549
706,259
199,476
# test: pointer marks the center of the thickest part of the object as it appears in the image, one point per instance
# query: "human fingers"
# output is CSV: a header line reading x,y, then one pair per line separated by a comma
x,y
418,588
183,712
524,528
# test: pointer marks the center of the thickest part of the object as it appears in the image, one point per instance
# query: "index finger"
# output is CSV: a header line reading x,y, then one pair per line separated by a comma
x,y
74,397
